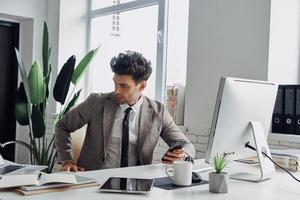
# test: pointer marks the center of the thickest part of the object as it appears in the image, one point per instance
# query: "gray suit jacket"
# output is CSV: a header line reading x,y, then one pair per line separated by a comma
x,y
99,111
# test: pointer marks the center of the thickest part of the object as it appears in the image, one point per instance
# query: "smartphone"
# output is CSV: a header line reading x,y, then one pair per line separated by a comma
x,y
176,145
172,148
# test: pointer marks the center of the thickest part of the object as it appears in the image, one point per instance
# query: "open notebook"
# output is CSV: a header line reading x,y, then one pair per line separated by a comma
x,y
38,179
81,182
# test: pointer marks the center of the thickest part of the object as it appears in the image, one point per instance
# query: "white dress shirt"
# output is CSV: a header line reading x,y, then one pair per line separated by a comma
x,y
113,157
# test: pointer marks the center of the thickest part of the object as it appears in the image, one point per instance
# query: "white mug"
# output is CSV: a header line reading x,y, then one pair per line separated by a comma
x,y
180,172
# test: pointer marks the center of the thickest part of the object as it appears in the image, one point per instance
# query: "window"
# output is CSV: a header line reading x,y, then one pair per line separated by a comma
x,y
177,58
119,25
178,15
128,25
97,4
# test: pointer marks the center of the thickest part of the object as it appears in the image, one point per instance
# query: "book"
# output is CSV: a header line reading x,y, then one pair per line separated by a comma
x,y
82,182
287,158
36,179
287,163
57,189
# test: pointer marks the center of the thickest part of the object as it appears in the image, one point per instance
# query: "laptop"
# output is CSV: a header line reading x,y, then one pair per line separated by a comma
x,y
11,168
127,185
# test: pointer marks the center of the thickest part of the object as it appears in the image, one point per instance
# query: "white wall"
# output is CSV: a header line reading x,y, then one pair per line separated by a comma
x,y
225,38
67,26
53,9
284,56
73,33
31,15
284,42
72,29
23,11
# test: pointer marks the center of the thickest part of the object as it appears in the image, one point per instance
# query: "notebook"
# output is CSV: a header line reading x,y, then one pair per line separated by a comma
x,y
81,182
39,179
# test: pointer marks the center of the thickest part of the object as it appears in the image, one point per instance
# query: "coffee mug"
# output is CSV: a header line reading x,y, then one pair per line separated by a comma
x,y
180,172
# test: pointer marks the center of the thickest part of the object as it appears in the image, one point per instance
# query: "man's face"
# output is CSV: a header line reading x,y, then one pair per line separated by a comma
x,y
127,90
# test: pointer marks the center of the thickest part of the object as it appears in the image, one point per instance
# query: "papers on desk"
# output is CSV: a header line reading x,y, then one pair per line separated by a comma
x,y
288,158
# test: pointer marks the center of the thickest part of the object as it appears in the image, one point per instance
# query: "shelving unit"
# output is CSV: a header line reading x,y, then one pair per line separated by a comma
x,y
284,137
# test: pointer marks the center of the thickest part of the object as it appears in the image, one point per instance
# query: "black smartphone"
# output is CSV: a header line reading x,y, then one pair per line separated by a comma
x,y
176,145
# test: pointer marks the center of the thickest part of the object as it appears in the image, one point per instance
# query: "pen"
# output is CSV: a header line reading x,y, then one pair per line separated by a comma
x,y
39,176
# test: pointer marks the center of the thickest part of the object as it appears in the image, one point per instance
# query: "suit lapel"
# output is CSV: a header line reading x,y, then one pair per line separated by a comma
x,y
144,123
110,110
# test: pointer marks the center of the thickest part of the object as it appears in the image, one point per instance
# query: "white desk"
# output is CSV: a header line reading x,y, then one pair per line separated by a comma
x,y
280,187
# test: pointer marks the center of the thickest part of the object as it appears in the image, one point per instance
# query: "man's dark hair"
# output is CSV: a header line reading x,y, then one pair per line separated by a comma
x,y
131,63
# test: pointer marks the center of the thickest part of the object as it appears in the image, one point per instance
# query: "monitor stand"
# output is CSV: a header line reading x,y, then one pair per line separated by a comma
x,y
267,168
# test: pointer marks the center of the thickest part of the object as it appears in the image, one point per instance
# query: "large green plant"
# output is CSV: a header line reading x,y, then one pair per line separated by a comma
x,y
33,99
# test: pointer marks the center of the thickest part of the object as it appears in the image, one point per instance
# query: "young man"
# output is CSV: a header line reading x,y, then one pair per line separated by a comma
x,y
124,126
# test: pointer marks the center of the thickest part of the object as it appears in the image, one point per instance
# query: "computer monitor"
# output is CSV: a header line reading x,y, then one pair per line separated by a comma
x,y
243,113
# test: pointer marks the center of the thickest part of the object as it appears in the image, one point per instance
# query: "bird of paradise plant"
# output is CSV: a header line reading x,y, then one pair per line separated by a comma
x,y
32,99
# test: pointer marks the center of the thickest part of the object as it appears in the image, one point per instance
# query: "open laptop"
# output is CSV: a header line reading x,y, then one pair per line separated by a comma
x,y
130,185
10,168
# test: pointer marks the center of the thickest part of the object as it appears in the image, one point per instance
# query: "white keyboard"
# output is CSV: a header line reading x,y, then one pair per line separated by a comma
x,y
202,167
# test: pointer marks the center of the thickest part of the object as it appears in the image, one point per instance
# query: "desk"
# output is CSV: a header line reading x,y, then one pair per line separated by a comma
x,y
280,187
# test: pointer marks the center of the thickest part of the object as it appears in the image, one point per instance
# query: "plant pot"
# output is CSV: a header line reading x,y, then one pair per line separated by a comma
x,y
218,182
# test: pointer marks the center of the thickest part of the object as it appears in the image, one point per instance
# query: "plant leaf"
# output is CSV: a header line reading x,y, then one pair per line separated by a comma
x,y
36,84
23,74
47,81
63,80
220,162
72,102
38,124
49,52
21,110
82,65
45,50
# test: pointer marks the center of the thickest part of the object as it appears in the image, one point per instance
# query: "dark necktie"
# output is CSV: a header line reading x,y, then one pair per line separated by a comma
x,y
124,149
125,138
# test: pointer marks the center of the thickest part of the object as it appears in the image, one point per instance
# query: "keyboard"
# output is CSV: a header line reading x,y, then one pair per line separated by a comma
x,y
9,168
202,167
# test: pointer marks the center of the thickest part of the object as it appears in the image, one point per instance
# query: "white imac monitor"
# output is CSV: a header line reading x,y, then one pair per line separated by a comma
x,y
243,113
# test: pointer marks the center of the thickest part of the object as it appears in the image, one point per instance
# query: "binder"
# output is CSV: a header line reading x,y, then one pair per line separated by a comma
x,y
297,111
289,109
277,118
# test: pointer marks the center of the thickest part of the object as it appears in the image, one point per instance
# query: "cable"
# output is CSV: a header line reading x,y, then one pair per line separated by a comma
x,y
254,149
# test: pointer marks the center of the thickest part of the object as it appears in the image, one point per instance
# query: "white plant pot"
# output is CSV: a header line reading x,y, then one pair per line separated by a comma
x,y
218,183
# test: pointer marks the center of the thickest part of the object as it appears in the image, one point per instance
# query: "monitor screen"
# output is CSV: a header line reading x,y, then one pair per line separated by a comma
x,y
240,101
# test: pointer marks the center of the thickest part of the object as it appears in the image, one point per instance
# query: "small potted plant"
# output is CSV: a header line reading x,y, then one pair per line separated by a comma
x,y
218,179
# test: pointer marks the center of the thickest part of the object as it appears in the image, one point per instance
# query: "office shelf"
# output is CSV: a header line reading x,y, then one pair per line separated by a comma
x,y
285,137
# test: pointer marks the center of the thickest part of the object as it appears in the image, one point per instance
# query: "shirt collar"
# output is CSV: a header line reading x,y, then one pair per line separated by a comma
x,y
136,107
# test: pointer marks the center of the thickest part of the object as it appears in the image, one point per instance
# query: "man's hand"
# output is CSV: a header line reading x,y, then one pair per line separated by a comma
x,y
71,166
173,155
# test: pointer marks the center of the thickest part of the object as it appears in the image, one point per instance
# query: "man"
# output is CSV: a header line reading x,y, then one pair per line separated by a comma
x,y
124,126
